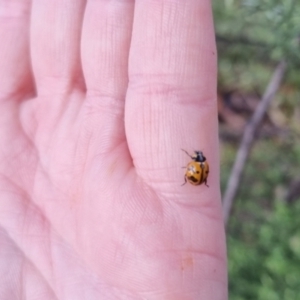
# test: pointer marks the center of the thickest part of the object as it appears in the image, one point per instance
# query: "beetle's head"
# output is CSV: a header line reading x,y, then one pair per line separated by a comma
x,y
198,156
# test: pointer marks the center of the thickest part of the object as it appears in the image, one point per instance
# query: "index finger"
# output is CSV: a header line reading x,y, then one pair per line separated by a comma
x,y
171,100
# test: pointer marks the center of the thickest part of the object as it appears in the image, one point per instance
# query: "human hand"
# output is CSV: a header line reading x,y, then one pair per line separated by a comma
x,y
97,98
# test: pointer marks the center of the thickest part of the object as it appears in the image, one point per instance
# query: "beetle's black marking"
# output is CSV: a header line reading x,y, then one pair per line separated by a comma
x,y
192,178
207,171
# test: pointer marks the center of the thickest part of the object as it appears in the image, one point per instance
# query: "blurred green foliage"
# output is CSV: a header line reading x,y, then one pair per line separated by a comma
x,y
264,260
263,233
256,34
270,27
264,230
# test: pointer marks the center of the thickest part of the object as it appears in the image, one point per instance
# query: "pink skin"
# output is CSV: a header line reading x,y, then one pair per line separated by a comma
x,y
97,99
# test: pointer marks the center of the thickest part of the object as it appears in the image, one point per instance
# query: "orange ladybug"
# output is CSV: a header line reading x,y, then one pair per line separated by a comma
x,y
197,170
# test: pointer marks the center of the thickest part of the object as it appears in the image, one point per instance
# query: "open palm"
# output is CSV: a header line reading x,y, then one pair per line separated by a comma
x,y
97,98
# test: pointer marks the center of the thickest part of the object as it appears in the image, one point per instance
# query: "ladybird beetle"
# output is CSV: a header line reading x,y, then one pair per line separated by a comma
x,y
197,170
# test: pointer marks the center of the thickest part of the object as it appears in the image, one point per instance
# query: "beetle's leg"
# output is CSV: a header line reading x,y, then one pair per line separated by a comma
x,y
205,182
184,181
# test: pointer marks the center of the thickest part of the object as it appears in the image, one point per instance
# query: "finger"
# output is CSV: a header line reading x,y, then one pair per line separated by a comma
x,y
171,101
55,43
105,47
15,75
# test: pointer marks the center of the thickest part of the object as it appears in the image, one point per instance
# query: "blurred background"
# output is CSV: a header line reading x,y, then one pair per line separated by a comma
x,y
255,38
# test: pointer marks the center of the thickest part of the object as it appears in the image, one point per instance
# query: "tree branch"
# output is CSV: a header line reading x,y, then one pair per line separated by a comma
x,y
248,137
